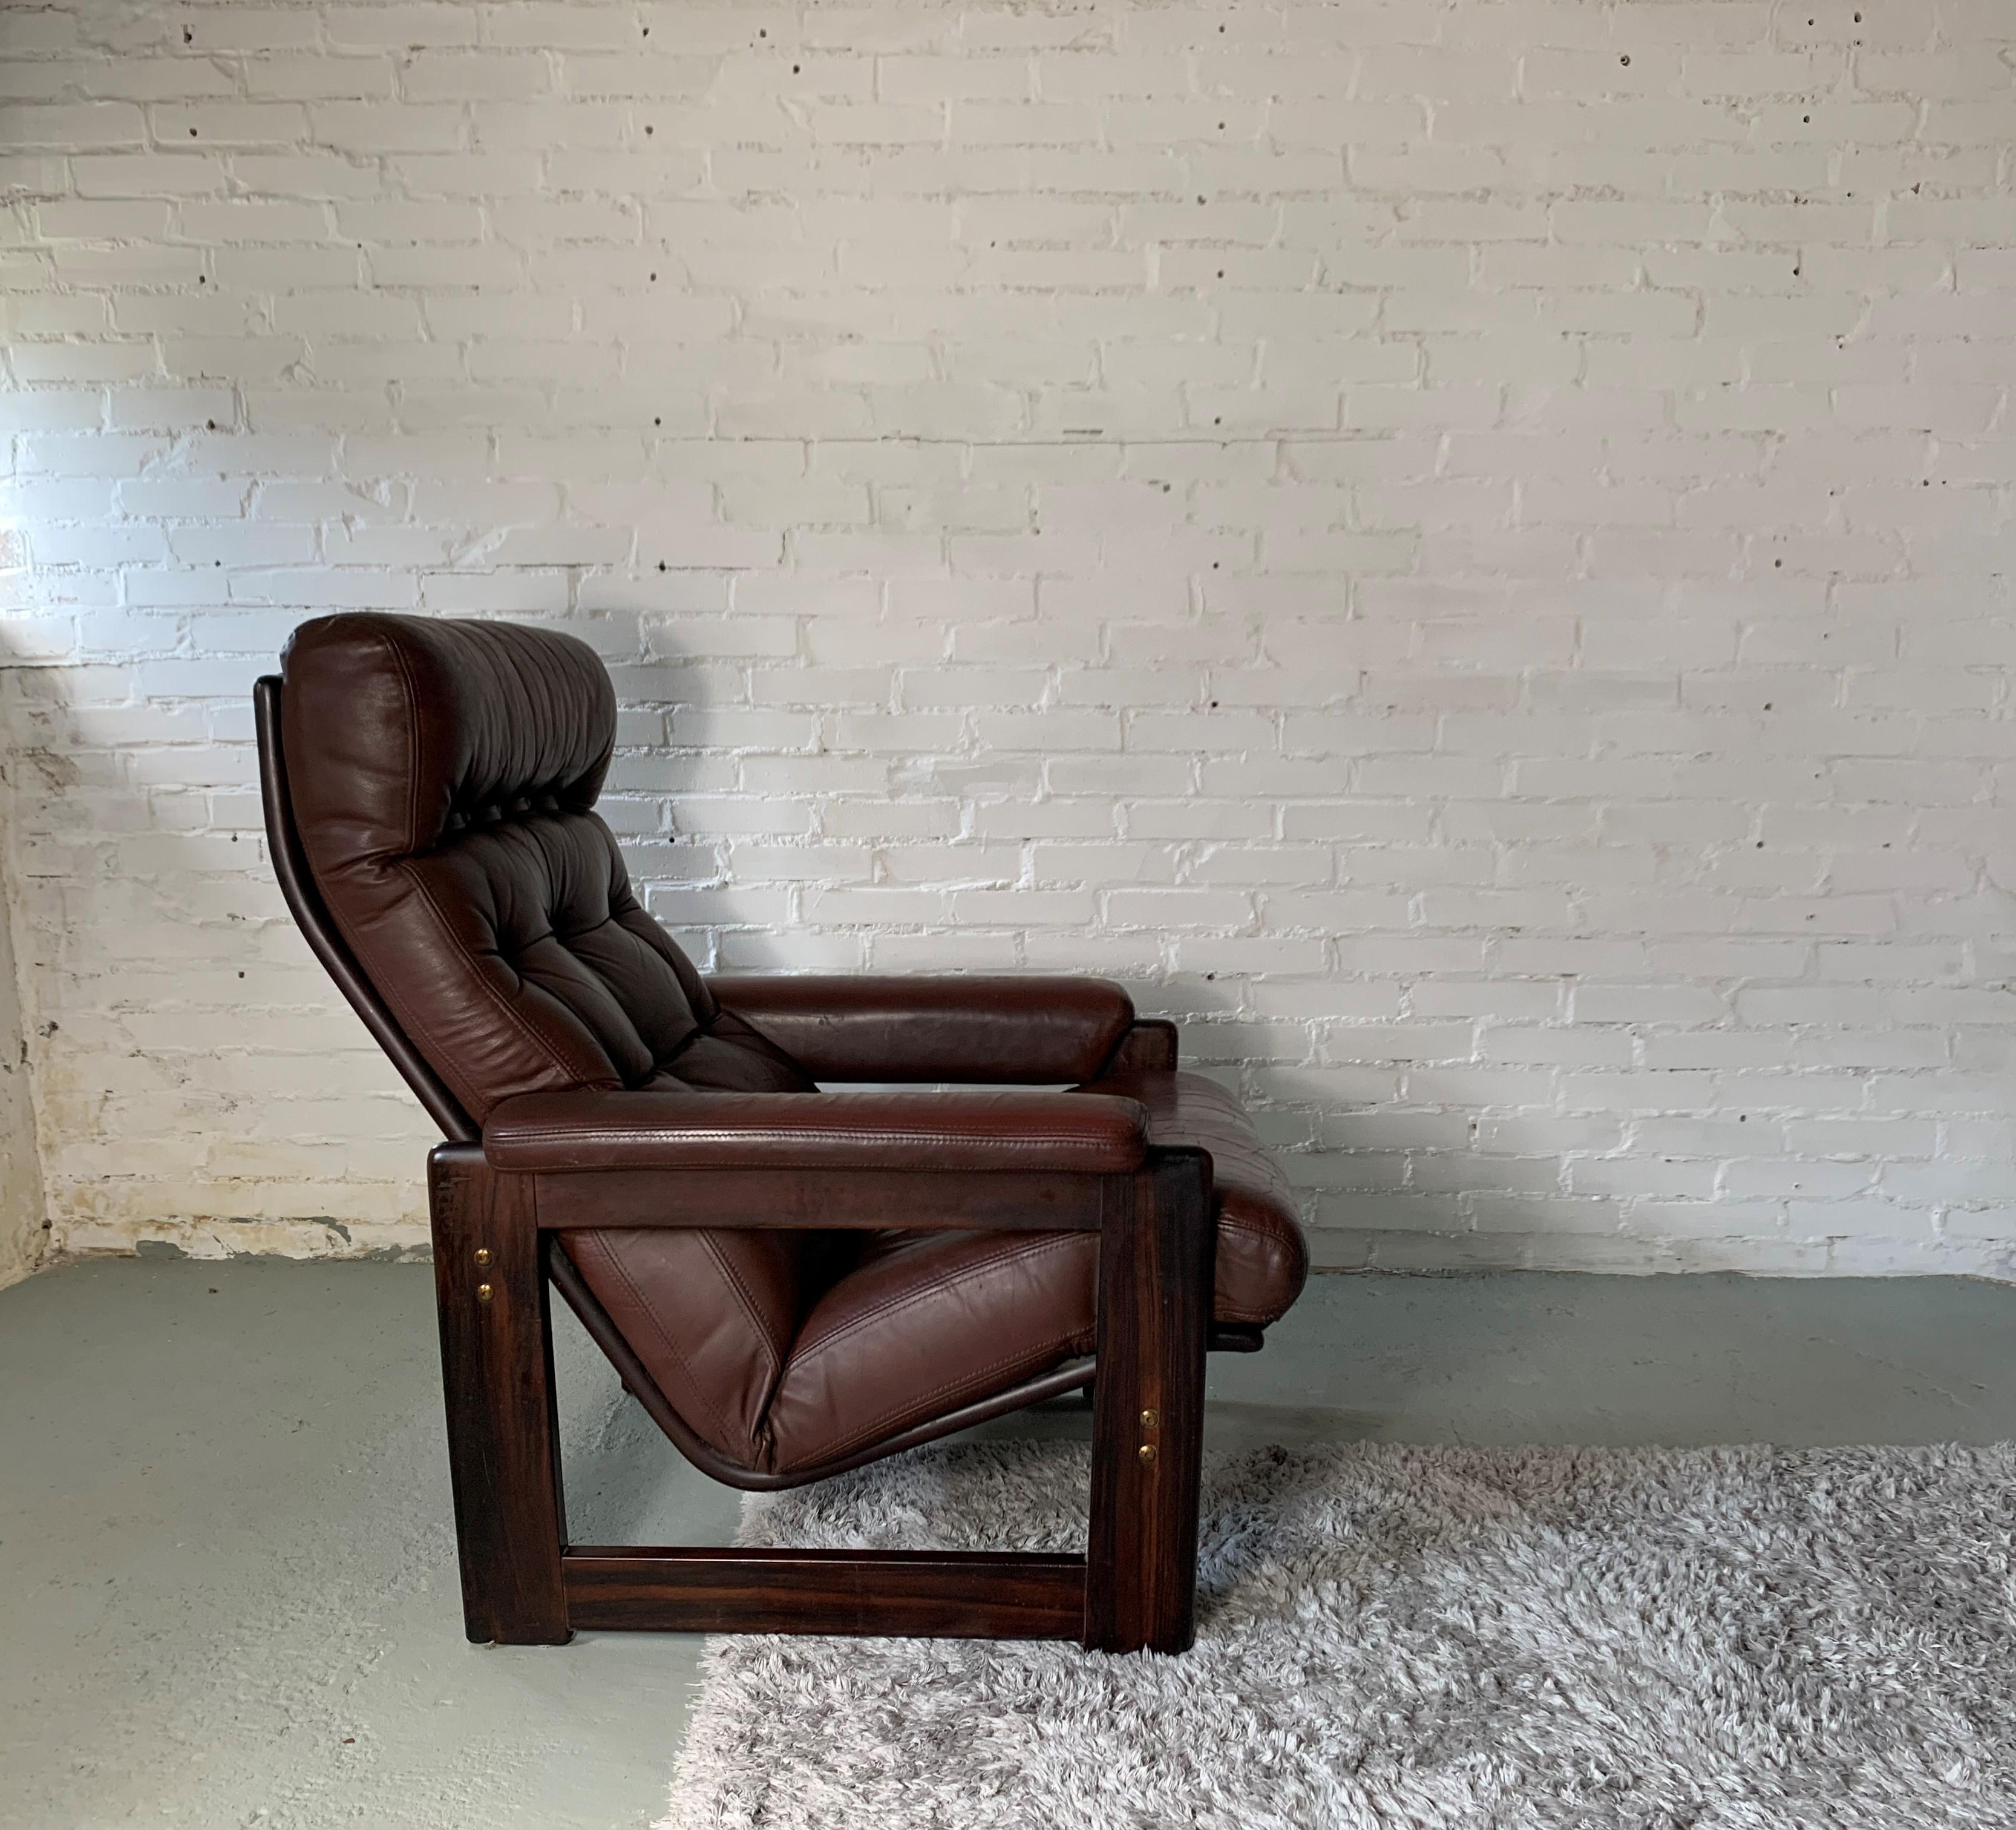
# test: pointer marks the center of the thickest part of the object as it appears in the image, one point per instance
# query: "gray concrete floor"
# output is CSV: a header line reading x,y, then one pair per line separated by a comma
x,y
227,1580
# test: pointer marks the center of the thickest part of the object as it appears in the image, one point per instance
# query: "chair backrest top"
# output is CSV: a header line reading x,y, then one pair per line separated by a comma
x,y
442,777
410,729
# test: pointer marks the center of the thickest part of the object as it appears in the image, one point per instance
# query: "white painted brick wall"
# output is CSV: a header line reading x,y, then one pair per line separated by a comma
x,y
1461,547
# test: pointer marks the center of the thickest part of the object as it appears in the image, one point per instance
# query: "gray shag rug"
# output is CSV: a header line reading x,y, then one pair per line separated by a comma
x,y
1404,1639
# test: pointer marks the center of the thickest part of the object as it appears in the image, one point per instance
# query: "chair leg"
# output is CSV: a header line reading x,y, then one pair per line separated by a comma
x,y
1147,1432
497,1370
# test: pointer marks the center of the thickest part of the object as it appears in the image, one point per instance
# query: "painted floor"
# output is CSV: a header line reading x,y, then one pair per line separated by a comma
x,y
227,1581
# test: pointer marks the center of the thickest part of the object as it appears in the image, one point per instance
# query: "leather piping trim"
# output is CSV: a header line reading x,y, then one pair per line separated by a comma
x,y
711,1462
762,1142
311,913
778,1143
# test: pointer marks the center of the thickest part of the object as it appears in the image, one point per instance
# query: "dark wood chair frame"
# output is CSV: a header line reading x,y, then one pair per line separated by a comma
x,y
496,1260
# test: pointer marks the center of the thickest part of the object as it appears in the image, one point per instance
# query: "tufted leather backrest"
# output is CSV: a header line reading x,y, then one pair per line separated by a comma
x,y
443,777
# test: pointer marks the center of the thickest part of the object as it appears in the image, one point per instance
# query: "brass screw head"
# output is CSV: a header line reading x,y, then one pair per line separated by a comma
x,y
1149,1420
1147,1451
482,1257
483,1293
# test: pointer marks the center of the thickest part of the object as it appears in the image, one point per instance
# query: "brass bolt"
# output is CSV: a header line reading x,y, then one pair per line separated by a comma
x,y
484,1292
482,1258
1147,1451
1149,1420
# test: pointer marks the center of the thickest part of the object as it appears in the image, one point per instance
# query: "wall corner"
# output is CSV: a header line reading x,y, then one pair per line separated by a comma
x,y
23,1208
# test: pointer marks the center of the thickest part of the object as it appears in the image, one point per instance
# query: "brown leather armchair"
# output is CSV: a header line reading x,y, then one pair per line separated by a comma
x,y
791,1281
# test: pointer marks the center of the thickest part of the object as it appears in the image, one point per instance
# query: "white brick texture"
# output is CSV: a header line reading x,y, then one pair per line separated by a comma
x,y
1460,547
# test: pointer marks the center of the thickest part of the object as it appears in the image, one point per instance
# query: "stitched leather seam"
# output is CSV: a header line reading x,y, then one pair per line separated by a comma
x,y
867,1431
567,940
489,990
684,1043
1274,1230
774,1139
671,1346
733,1277
412,739
415,1027
410,1018
926,1292
811,1134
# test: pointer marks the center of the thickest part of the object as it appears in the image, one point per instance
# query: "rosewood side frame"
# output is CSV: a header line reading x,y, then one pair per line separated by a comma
x,y
525,1584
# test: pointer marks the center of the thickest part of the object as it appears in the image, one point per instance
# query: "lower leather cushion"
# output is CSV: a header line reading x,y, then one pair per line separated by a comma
x,y
925,1324
787,1350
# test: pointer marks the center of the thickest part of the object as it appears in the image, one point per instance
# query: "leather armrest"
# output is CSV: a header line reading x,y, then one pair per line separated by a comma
x,y
681,1128
927,1027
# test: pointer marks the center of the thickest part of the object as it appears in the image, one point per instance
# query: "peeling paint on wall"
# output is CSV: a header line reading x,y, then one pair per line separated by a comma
x,y
23,1222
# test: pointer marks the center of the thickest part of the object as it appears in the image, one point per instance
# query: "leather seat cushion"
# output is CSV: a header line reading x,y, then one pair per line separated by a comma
x,y
785,1351
925,1324
1263,1258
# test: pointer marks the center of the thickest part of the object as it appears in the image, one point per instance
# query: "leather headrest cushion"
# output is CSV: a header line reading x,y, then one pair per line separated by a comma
x,y
442,724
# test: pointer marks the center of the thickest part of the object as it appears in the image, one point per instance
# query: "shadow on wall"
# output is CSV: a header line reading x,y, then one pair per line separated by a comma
x,y
667,753
200,1087
184,1072
713,796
